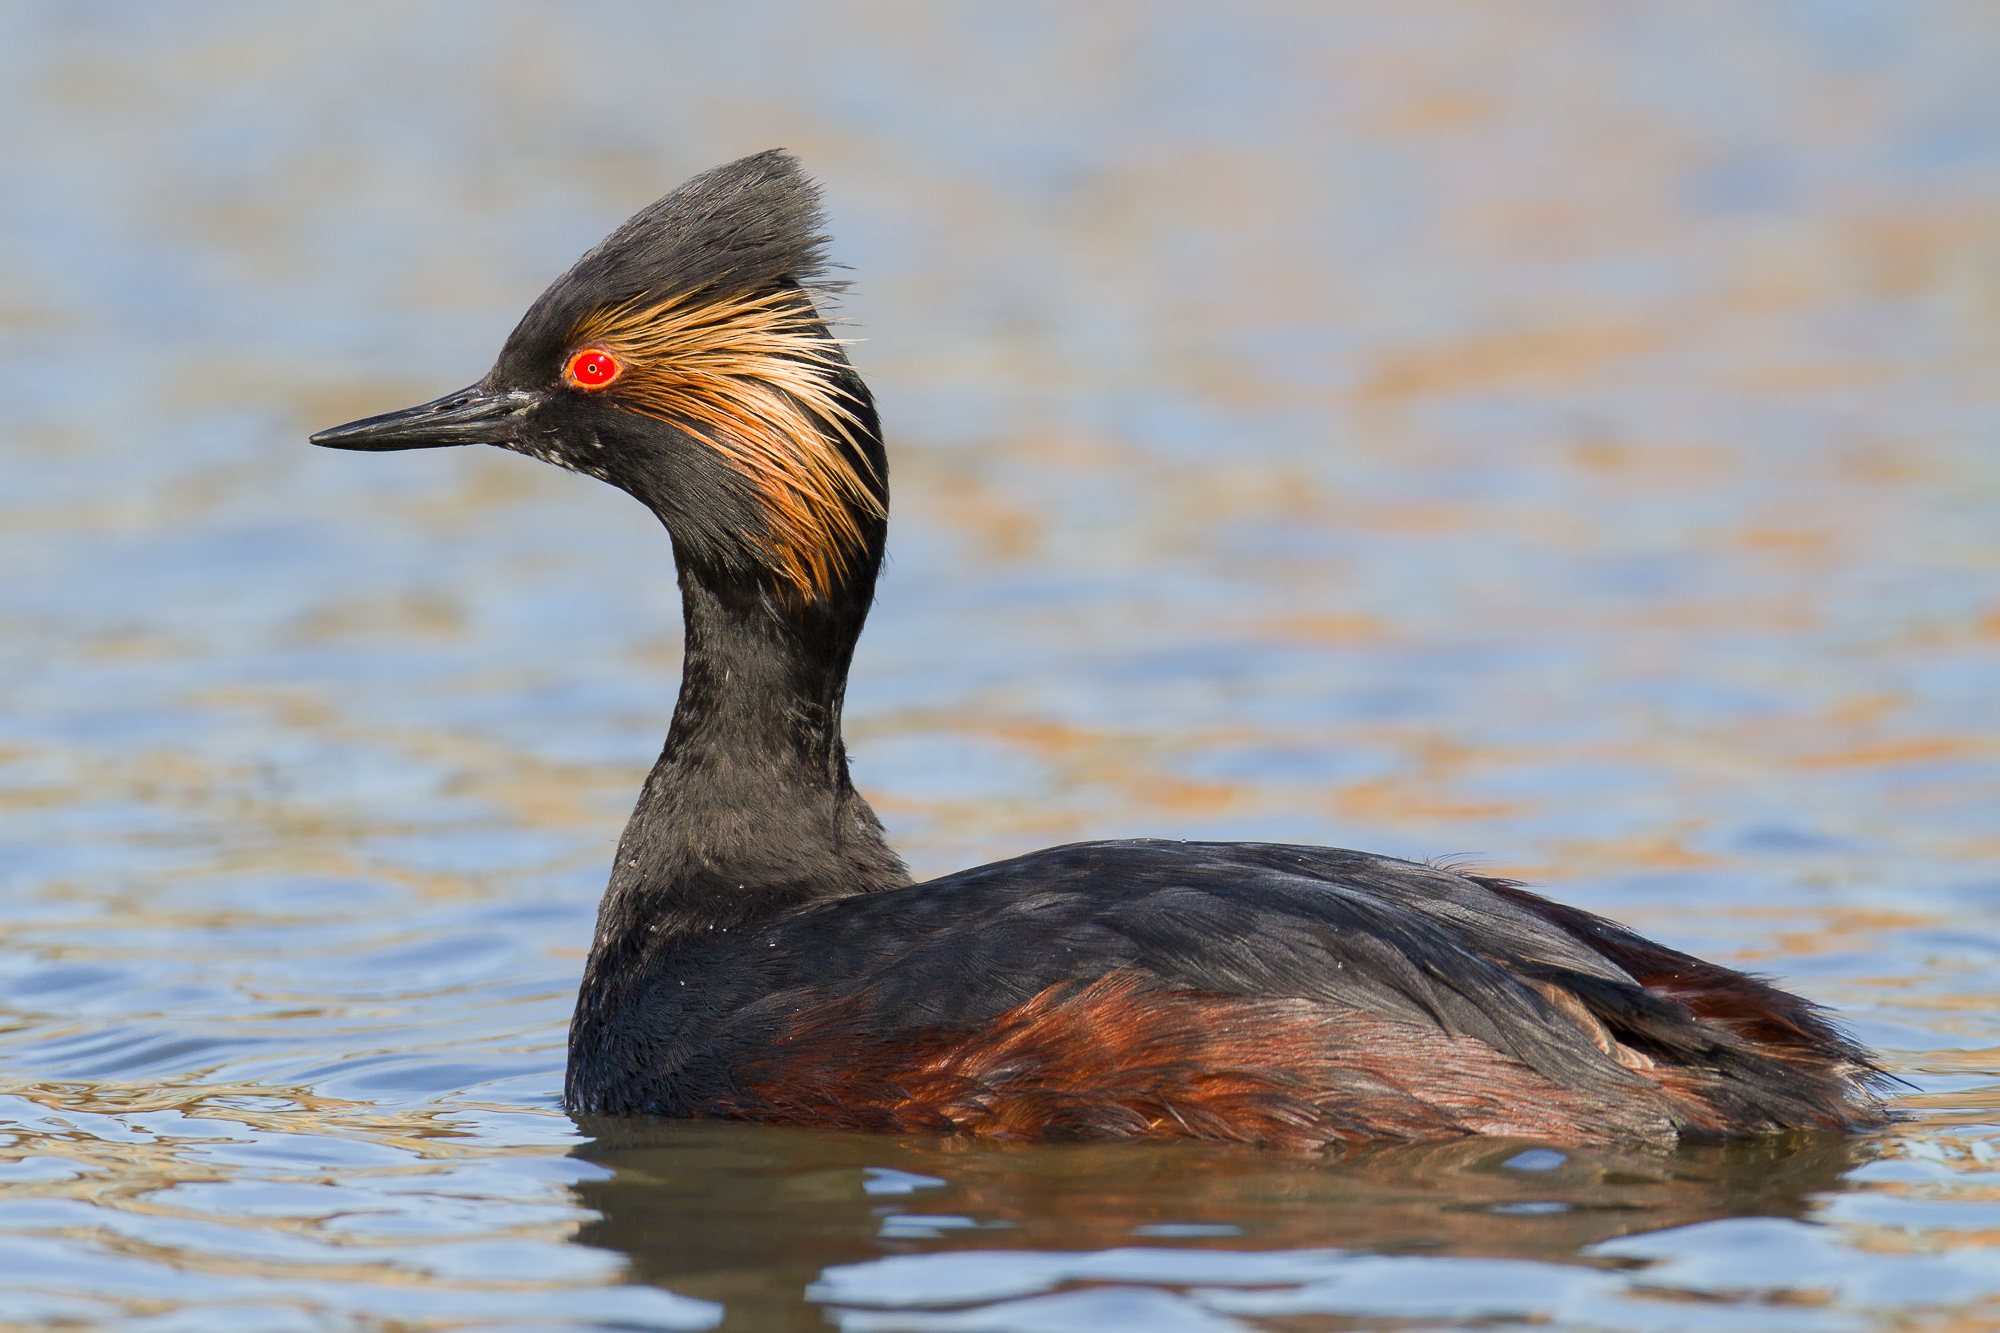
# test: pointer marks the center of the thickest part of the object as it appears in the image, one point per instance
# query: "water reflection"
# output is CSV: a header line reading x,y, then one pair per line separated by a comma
x,y
750,1215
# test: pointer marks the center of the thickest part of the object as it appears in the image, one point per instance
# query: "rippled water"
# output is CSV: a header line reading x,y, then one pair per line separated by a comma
x,y
1556,434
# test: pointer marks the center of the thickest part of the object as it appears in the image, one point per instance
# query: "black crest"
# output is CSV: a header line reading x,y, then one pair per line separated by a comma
x,y
752,225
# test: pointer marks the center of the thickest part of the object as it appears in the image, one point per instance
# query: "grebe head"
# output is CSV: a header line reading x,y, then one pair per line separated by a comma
x,y
683,360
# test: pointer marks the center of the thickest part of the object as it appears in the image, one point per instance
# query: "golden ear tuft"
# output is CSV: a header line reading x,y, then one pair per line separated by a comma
x,y
757,377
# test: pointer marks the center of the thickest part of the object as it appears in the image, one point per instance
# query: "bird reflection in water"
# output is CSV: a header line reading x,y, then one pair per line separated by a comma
x,y
749,1214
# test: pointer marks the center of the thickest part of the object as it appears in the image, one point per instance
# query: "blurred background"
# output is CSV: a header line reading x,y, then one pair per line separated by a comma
x,y
1559,435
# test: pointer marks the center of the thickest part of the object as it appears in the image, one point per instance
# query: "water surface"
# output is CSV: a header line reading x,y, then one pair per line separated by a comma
x,y
1558,436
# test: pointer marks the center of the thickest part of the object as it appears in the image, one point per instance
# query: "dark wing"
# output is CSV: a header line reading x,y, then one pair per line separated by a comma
x,y
1394,940
1391,938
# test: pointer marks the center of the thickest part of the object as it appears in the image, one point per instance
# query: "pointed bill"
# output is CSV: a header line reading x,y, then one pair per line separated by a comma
x,y
470,416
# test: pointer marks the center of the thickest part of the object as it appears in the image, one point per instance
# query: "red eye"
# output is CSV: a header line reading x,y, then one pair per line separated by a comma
x,y
592,369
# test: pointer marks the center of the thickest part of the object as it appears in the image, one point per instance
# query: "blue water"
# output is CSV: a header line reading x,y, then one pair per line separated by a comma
x,y
1557,436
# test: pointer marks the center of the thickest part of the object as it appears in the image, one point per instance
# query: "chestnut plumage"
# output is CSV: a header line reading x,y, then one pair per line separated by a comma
x,y
762,954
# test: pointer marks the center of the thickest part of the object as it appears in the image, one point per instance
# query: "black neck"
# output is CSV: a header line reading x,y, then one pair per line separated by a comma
x,y
749,811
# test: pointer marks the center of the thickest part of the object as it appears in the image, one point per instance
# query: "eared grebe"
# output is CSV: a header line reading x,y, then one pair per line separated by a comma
x,y
762,954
